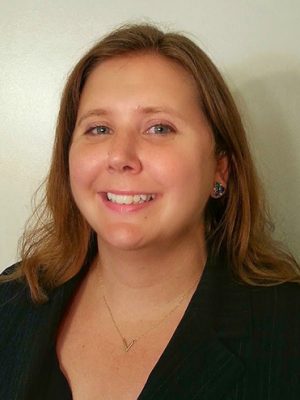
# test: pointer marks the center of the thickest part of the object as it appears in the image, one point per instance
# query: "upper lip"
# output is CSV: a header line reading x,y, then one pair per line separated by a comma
x,y
128,193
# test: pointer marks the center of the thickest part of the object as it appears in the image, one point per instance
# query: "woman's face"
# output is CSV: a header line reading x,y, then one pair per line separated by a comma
x,y
140,131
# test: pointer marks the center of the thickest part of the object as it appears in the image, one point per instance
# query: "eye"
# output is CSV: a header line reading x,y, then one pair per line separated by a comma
x,y
98,130
160,129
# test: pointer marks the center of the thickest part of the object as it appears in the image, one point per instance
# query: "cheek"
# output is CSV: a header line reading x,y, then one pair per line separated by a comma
x,y
196,186
190,169
83,166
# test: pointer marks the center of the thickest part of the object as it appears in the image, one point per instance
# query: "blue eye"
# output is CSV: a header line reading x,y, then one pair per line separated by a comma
x,y
161,129
99,130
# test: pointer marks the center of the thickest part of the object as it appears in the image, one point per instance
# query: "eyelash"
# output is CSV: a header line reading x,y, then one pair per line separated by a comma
x,y
90,130
169,128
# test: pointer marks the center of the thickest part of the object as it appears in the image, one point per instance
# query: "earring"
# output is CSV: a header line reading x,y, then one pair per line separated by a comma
x,y
218,190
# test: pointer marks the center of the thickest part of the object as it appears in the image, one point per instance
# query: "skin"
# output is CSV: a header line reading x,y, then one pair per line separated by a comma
x,y
151,138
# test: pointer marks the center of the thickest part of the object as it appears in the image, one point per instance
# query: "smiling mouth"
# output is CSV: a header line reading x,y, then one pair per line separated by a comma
x,y
129,199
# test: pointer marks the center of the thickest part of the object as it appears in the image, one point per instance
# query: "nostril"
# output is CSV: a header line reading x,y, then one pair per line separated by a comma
x,y
124,164
120,167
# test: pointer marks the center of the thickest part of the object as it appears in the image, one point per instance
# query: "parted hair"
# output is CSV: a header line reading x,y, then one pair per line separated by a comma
x,y
58,241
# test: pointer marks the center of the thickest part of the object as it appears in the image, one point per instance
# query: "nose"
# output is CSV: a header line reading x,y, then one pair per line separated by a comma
x,y
122,155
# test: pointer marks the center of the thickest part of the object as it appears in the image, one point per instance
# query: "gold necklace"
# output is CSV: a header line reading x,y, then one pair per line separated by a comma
x,y
128,344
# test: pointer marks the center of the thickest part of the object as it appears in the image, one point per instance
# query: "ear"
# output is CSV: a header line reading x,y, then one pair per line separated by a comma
x,y
222,169
221,173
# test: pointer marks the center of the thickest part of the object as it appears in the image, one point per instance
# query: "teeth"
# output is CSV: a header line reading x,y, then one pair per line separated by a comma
x,y
136,199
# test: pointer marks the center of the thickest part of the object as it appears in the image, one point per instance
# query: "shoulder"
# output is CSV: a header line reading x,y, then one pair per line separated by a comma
x,y
13,290
15,309
276,319
273,312
280,303
282,298
275,322
20,316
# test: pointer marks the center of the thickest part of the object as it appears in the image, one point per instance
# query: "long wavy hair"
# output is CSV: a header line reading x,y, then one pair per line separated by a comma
x,y
58,241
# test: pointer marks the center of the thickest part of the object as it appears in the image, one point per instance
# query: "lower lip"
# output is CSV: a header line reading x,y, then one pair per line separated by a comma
x,y
125,208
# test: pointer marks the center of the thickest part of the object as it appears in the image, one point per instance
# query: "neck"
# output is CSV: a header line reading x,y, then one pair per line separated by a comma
x,y
149,279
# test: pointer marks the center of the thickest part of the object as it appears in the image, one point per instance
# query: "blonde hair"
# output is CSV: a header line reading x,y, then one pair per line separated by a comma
x,y
237,225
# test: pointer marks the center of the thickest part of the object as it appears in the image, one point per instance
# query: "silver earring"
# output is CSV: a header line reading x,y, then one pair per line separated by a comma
x,y
218,190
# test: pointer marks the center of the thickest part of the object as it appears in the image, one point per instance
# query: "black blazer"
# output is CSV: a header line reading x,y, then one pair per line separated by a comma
x,y
234,342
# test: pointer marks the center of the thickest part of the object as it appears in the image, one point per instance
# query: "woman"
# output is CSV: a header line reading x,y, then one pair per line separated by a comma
x,y
150,272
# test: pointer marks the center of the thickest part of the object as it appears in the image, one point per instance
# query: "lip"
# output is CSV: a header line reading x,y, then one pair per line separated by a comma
x,y
125,208
126,192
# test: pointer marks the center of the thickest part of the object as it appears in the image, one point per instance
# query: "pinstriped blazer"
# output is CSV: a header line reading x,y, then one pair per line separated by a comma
x,y
234,342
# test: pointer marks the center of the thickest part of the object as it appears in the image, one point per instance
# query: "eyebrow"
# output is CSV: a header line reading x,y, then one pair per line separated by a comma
x,y
98,112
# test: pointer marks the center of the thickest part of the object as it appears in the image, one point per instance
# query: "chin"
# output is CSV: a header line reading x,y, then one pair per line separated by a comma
x,y
123,237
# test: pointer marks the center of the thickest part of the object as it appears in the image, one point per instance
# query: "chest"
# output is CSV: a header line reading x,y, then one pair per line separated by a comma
x,y
93,359
103,375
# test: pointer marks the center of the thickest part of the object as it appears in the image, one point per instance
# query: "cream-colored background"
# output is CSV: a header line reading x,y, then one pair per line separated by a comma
x,y
254,42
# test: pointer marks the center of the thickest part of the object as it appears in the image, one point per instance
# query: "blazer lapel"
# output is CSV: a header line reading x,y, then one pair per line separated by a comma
x,y
30,345
201,361
46,334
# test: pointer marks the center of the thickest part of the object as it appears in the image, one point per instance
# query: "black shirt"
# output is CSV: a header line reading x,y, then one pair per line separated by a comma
x,y
234,342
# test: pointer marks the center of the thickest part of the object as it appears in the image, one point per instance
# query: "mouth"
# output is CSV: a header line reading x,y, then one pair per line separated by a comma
x,y
129,198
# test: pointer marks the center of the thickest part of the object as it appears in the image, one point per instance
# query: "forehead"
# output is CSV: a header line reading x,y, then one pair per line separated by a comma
x,y
130,87
131,72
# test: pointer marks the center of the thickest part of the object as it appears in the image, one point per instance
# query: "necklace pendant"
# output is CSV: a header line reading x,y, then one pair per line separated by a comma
x,y
128,345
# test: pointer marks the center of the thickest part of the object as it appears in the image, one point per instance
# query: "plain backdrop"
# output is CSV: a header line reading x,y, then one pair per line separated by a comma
x,y
255,43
